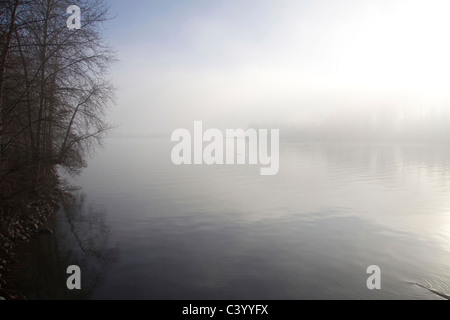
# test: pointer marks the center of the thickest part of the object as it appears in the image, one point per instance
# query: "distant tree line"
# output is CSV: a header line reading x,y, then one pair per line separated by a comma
x,y
53,92
408,124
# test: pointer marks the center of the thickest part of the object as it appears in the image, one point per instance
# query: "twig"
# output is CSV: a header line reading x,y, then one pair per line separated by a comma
x,y
434,291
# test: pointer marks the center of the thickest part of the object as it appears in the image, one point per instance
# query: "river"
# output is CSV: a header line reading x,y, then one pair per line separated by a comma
x,y
143,228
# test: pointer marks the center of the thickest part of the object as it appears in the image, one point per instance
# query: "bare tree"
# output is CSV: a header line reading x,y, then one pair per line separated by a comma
x,y
54,90
8,17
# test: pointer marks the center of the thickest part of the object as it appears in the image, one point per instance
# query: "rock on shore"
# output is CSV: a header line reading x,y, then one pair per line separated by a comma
x,y
20,228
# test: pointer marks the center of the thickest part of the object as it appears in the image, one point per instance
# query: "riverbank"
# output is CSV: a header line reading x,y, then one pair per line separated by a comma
x,y
30,219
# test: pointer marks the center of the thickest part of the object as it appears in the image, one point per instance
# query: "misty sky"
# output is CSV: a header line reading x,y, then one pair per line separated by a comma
x,y
233,63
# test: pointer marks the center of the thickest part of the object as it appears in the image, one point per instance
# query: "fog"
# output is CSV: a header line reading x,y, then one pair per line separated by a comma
x,y
314,69
190,198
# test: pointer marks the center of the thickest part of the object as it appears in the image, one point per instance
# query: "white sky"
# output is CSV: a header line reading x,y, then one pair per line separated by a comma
x,y
232,63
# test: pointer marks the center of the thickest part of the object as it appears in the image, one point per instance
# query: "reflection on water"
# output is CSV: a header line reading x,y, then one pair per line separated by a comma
x,y
225,232
81,238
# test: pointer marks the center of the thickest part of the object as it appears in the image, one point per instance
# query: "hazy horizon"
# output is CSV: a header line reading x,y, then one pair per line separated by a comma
x,y
233,64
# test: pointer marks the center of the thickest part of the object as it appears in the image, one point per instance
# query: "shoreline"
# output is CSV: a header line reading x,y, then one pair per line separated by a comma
x,y
19,229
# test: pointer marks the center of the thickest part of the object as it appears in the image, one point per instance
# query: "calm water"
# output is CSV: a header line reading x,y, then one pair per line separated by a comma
x,y
142,228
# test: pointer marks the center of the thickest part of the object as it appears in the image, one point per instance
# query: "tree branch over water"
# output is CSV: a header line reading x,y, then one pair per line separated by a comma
x,y
53,90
